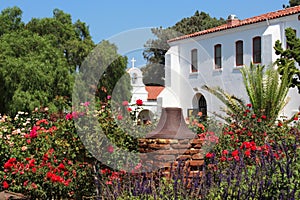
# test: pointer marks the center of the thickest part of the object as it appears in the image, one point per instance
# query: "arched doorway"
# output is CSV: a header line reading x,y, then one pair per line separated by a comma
x,y
199,105
202,106
145,117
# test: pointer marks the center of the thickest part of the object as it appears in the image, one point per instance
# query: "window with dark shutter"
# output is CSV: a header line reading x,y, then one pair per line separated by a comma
x,y
218,56
239,53
257,50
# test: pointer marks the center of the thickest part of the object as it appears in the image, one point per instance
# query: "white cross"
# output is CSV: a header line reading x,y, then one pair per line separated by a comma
x,y
133,61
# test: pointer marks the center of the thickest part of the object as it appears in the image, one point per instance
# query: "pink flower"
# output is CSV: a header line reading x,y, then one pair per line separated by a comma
x,y
120,117
139,102
33,133
237,158
225,152
108,97
25,183
69,116
86,104
75,115
222,159
138,166
24,148
110,149
34,186
125,103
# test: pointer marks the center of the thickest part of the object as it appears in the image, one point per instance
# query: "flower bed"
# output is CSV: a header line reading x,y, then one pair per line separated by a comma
x,y
42,157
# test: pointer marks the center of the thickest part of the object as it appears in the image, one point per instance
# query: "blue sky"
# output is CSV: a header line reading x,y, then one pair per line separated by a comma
x,y
112,19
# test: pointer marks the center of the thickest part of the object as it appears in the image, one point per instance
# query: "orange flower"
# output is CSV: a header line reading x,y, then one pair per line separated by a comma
x,y
201,126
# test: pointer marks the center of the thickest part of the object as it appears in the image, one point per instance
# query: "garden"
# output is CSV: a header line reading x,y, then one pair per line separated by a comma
x,y
251,154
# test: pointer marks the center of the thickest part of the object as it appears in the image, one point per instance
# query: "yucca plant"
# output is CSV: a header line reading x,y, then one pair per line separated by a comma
x,y
267,91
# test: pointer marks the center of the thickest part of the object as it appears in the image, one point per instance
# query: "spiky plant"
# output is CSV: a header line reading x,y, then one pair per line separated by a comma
x,y
234,105
267,91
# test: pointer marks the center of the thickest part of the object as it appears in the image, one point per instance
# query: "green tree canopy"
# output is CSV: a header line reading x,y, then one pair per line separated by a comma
x,y
292,3
156,49
39,59
32,72
10,20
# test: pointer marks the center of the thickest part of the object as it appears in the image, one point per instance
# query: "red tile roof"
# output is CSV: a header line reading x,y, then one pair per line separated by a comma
x,y
154,91
252,20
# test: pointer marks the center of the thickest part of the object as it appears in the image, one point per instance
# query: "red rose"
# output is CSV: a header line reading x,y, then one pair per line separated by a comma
x,y
209,155
120,117
247,145
235,153
237,158
139,102
247,153
225,152
296,118
61,166
33,170
249,105
5,185
222,159
264,117
129,109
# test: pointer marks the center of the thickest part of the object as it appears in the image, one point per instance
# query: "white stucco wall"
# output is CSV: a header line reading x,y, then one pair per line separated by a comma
x,y
184,85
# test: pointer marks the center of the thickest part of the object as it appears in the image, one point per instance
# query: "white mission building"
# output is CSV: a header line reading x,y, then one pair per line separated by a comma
x,y
213,57
151,108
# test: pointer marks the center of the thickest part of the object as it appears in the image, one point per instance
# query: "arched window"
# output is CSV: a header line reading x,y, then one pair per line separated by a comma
x,y
194,60
239,53
218,56
134,78
257,49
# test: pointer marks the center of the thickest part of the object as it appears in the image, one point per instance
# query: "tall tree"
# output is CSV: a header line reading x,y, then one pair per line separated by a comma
x,y
156,49
288,57
39,59
73,40
10,20
32,72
